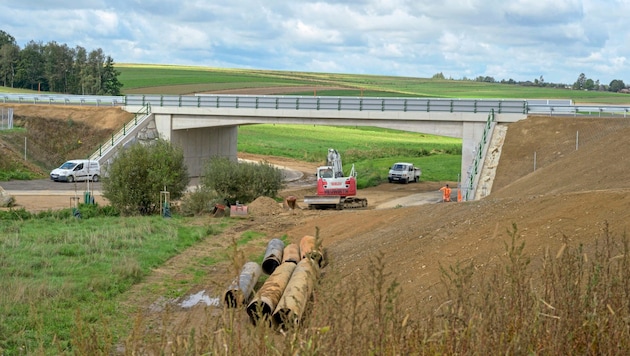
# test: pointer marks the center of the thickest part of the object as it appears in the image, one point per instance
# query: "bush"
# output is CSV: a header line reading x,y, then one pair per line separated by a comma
x,y
134,180
199,202
16,175
15,214
242,182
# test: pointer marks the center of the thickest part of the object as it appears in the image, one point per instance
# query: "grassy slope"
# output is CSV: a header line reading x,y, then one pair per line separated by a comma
x,y
138,78
54,282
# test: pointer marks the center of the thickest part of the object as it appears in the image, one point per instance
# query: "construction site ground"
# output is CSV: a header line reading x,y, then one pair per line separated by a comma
x,y
559,180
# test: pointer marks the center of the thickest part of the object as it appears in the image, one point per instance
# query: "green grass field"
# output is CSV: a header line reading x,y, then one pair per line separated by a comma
x,y
372,150
164,79
59,272
179,80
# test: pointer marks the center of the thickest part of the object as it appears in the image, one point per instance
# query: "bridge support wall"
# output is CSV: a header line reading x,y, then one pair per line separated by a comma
x,y
472,134
199,144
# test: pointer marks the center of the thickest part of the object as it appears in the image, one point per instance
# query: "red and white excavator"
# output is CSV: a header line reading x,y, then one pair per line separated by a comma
x,y
334,189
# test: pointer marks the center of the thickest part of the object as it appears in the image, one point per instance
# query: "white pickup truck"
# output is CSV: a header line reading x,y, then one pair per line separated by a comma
x,y
404,172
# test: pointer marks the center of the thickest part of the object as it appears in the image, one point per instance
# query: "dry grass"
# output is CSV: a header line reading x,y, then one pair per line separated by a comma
x,y
572,302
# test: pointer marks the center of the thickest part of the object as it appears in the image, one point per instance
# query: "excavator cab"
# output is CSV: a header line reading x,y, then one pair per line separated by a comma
x,y
326,173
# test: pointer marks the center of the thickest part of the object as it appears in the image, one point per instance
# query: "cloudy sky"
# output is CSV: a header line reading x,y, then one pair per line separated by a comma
x,y
517,39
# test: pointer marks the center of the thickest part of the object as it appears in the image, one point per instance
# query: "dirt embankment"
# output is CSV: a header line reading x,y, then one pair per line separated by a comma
x,y
56,133
561,202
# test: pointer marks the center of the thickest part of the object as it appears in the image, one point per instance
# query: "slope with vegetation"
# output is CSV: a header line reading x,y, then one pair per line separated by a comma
x,y
50,134
161,79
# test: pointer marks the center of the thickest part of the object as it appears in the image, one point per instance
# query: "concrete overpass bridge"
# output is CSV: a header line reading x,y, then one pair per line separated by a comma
x,y
207,125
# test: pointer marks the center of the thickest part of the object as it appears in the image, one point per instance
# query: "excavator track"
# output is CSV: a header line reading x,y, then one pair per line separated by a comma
x,y
335,202
355,203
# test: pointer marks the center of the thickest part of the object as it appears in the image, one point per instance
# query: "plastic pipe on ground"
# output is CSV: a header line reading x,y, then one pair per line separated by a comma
x,y
291,253
266,299
273,255
297,293
240,290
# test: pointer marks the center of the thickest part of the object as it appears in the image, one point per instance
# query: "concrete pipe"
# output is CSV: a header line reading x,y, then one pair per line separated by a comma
x,y
291,253
297,293
240,290
273,256
310,249
266,299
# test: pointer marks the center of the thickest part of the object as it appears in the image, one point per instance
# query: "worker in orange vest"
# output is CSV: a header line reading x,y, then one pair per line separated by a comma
x,y
446,191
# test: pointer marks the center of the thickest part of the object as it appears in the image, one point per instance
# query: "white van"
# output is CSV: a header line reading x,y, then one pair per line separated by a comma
x,y
77,170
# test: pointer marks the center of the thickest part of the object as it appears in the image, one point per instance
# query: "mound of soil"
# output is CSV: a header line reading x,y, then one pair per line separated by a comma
x,y
264,206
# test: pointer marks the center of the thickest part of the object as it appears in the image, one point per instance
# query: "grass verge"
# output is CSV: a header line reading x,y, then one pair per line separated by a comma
x,y
59,272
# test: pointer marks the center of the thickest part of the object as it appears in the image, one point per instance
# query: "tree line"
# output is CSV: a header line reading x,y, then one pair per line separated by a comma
x,y
582,83
55,67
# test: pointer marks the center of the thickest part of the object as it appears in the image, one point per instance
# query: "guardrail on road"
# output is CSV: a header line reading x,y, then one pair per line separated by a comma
x,y
339,103
61,99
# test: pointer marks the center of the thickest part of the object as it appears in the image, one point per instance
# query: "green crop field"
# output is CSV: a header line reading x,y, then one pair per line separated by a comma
x,y
165,79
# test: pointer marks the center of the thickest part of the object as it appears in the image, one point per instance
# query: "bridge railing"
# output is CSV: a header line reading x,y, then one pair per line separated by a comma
x,y
62,99
332,103
479,154
105,148
290,102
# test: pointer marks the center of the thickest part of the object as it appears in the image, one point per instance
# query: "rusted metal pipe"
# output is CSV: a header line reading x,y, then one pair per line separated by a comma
x,y
291,253
266,299
309,248
273,255
240,290
297,293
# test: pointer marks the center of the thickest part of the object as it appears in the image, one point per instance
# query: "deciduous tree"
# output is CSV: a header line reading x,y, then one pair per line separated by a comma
x,y
134,180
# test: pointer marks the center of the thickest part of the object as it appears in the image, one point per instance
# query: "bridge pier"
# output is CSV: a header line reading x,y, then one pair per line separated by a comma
x,y
199,144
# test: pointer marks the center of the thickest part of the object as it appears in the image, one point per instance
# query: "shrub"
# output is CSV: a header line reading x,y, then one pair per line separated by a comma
x,y
242,182
15,214
134,180
199,201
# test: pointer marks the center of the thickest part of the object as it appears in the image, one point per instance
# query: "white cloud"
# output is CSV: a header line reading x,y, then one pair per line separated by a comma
x,y
520,39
